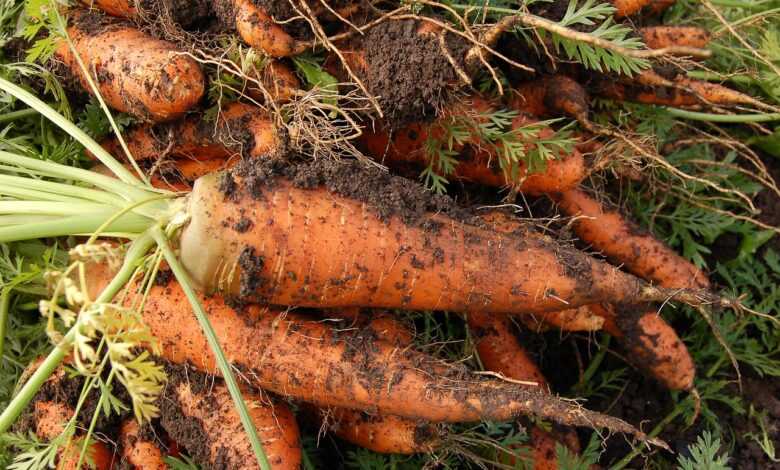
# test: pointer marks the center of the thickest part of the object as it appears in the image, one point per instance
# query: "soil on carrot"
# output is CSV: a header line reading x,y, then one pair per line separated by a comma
x,y
410,73
186,431
280,10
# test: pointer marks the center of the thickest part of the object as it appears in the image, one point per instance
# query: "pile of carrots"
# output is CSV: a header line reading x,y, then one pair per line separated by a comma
x,y
270,231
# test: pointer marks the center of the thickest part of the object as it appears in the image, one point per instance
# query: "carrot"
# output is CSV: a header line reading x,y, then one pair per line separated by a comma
x,y
631,7
138,451
680,92
386,434
185,13
476,163
258,29
240,130
306,360
653,344
279,80
198,413
181,175
659,37
380,433
49,417
500,351
300,251
134,72
574,319
552,95
626,244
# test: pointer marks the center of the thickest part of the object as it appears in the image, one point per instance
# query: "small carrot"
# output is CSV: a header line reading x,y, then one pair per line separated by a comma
x,y
632,7
573,319
626,244
279,80
240,130
134,72
659,37
309,361
198,413
138,451
184,13
653,344
553,95
259,30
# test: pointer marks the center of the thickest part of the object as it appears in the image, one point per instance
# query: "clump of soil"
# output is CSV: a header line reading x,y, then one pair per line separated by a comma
x,y
386,194
185,13
408,72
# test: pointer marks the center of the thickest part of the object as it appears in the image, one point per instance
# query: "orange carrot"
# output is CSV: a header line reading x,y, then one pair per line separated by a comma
x,y
139,452
626,244
240,130
121,8
659,37
477,163
307,360
199,414
259,30
553,95
279,80
573,319
350,257
653,344
184,13
632,7
134,72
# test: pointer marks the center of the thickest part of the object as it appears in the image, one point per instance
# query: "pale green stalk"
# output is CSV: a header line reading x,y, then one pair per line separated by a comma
x,y
17,219
85,223
49,207
34,195
71,129
136,251
62,188
224,366
14,115
5,301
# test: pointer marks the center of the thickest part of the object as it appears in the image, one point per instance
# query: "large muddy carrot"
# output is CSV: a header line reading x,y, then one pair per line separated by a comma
x,y
139,451
134,72
198,413
305,359
240,130
322,234
659,37
626,244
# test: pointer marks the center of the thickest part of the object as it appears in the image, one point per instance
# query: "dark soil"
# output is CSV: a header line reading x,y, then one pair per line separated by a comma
x,y
408,72
769,203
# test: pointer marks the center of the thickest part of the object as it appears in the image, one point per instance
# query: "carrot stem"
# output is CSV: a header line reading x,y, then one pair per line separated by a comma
x,y
14,115
5,301
727,118
137,249
224,366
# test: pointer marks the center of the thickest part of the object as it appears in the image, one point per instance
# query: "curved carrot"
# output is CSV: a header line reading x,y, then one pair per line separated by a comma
x,y
139,452
307,360
349,257
134,72
659,37
626,244
240,130
477,163
654,345
195,401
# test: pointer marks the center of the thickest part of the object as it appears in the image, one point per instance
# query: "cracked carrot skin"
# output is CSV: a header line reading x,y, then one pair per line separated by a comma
x,y
137,452
135,72
313,247
307,360
226,444
241,130
476,164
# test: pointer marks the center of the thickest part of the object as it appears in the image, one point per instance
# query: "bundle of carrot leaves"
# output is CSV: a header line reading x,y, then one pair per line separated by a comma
x,y
416,234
